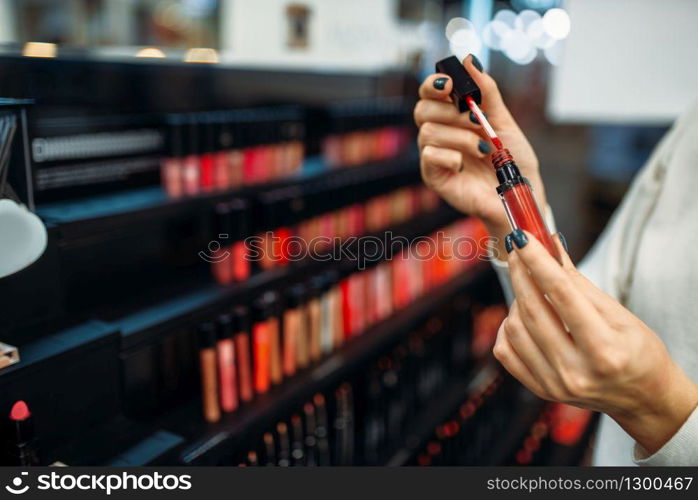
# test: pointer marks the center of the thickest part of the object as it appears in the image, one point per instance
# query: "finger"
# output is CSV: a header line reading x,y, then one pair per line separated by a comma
x,y
429,110
573,308
492,101
429,90
440,158
447,136
505,354
541,321
528,352
607,306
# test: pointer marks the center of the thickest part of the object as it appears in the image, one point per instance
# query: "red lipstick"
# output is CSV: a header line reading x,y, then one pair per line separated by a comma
x,y
21,442
20,411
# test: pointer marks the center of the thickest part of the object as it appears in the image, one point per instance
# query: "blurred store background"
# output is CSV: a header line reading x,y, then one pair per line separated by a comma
x,y
160,130
594,103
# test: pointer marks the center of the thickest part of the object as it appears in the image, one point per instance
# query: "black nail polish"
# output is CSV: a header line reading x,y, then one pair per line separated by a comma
x,y
477,63
519,237
508,244
440,83
563,240
483,147
474,119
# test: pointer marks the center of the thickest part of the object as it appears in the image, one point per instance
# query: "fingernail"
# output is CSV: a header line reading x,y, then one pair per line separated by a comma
x,y
508,244
477,63
519,238
563,240
483,147
474,119
440,83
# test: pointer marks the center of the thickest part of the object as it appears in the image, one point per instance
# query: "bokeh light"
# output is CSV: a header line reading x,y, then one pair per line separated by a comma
x,y
458,24
464,42
506,16
525,19
152,52
518,36
517,46
493,33
556,23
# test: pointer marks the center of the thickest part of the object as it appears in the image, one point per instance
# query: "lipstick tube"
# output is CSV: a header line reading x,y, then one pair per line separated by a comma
x,y
276,363
225,352
310,440
209,378
261,347
294,338
269,449
315,318
297,453
191,163
284,445
221,267
21,449
171,167
519,202
241,327
240,264
207,177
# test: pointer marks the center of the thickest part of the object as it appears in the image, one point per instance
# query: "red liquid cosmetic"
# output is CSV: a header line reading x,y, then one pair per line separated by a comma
x,y
519,202
514,190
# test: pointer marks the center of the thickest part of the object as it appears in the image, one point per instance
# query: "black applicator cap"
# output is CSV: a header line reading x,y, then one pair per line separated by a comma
x,y
463,84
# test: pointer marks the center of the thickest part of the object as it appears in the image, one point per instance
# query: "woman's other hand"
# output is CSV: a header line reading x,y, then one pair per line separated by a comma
x,y
568,341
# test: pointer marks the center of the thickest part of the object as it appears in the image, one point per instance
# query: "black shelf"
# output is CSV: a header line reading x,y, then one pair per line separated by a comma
x,y
154,251
439,410
122,442
206,442
531,408
147,203
149,322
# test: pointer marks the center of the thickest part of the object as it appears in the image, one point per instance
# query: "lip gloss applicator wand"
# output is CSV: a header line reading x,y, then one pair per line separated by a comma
x,y
514,189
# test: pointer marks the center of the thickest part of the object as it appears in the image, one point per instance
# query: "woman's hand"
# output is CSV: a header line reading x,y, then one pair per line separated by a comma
x,y
568,341
455,152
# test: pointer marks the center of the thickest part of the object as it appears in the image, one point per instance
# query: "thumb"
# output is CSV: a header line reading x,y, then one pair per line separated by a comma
x,y
492,102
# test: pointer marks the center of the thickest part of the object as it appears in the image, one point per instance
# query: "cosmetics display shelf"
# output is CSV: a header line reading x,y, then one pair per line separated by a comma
x,y
530,408
438,410
147,323
122,442
207,443
143,204
92,351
